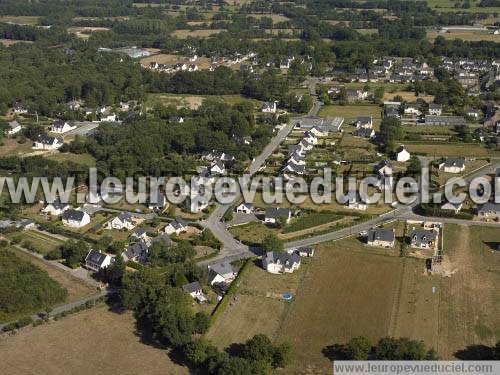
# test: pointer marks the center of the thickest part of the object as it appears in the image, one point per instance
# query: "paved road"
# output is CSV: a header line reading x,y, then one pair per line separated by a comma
x,y
233,249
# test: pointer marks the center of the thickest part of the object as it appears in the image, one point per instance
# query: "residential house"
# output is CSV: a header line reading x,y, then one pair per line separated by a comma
x,y
157,202
365,122
136,252
364,133
194,289
177,226
281,262
46,142
323,125
453,165
424,238
356,203
245,208
162,238
61,126
402,155
14,127
122,221
435,109
443,120
489,211
141,234
19,108
356,95
381,237
96,261
473,113
412,109
384,168
55,208
75,218
218,168
221,273
273,214
198,204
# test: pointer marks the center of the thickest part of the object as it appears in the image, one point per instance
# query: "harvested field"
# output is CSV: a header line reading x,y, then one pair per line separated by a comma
x,y
202,33
408,96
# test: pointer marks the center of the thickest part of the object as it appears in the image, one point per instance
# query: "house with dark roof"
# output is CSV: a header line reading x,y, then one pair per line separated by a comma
x,y
281,262
221,273
489,211
367,133
245,208
455,207
136,252
424,238
194,289
157,202
273,214
381,237
453,165
269,107
55,208
46,142
61,126
435,109
364,122
164,239
177,227
384,168
96,261
305,251
75,218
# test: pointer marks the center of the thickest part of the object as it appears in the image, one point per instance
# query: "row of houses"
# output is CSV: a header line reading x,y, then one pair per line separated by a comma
x,y
418,238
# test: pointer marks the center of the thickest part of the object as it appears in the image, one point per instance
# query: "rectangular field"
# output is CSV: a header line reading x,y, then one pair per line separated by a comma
x,y
351,112
85,343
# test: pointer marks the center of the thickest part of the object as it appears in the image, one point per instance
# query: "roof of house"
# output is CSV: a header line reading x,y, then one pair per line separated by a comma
x,y
192,287
363,132
489,207
14,124
364,120
162,238
96,257
452,120
379,234
58,123
125,216
57,204
48,140
73,215
435,106
274,212
383,164
423,236
454,162
306,249
288,259
225,269
401,149
135,250
178,224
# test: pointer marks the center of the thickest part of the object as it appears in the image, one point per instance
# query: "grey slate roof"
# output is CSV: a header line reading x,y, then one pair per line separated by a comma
x,y
136,250
58,205
47,139
422,236
274,212
288,259
225,269
379,234
192,287
73,215
454,162
95,257
14,124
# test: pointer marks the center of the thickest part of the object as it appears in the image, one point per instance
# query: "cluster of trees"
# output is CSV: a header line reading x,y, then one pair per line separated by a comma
x,y
73,252
257,356
390,131
24,288
160,254
387,348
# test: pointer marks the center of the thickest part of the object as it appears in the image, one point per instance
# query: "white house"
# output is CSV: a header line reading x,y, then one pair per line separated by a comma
x,y
412,109
435,109
194,289
122,221
306,251
402,154
218,167
55,208
177,226
75,218
269,107
245,208
273,214
111,117
381,237
46,142
356,203
60,126
424,239
14,127
489,211
221,273
453,165
455,207
364,122
276,262
19,108
473,113
384,168
96,261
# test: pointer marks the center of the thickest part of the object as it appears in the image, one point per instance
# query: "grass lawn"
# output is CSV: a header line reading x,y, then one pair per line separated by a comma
x,y
252,232
470,36
351,112
470,167
408,96
41,242
10,147
113,336
23,20
448,149
449,6
183,34
193,101
85,159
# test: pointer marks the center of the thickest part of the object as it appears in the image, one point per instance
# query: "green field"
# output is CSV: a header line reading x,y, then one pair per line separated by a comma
x,y
85,159
351,112
35,241
470,36
449,6
24,288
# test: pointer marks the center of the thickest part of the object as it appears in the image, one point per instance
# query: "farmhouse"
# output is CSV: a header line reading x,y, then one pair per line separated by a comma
x,y
122,221
14,127
489,211
453,165
60,126
45,142
277,262
245,208
402,154
96,261
75,218
273,214
381,237
424,239
177,226
221,273
55,208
